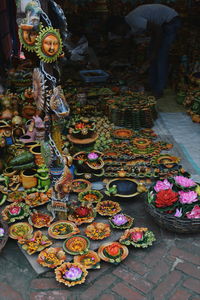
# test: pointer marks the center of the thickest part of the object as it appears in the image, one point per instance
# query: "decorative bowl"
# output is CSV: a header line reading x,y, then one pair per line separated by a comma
x,y
76,245
91,196
51,257
123,133
62,229
113,252
108,208
20,230
80,185
71,274
82,214
39,219
98,231
16,196
15,211
121,221
89,260
36,243
37,198
139,237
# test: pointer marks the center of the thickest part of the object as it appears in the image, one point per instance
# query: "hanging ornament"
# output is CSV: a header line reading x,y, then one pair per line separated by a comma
x,y
48,45
58,103
38,88
27,36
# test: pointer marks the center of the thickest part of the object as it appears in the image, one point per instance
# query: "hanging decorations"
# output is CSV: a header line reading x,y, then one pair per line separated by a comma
x,y
28,37
38,88
48,45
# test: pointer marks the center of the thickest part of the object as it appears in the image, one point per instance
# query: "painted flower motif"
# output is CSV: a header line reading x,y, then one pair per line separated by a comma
x,y
74,273
2,232
92,156
162,185
178,213
184,181
15,210
197,190
113,249
188,197
82,211
119,219
137,236
194,213
166,198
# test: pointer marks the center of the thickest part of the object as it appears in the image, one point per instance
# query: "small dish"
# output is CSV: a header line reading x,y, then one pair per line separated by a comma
x,y
108,208
139,237
62,229
71,274
98,231
89,260
121,221
16,196
15,211
91,196
80,185
37,198
51,257
20,230
76,245
39,219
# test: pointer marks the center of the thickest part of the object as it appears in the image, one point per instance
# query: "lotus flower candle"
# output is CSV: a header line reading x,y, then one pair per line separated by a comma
x,y
188,197
119,219
137,236
162,185
2,232
15,210
184,181
195,213
73,274
82,211
92,156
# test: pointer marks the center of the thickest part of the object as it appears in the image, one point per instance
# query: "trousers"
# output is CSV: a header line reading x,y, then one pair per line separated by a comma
x,y
159,68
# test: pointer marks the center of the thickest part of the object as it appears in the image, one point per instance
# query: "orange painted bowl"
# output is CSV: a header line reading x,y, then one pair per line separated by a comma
x,y
62,229
51,257
113,252
20,230
89,260
76,245
98,231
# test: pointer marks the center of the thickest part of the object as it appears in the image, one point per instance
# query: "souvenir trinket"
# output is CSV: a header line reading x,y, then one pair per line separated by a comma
x,y
71,274
98,231
113,252
62,229
76,245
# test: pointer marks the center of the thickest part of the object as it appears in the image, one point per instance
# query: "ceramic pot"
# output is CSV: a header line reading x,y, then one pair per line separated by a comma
x,y
9,172
36,151
28,179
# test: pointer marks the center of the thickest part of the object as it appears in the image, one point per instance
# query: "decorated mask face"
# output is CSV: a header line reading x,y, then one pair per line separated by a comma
x,y
50,45
29,36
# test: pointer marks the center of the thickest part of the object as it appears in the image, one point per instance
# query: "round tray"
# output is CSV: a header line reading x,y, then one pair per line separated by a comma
x,y
172,223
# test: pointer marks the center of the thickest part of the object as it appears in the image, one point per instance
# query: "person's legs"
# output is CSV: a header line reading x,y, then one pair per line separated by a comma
x,y
152,70
162,61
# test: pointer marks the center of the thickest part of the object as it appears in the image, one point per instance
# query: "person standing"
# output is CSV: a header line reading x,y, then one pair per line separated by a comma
x,y
161,23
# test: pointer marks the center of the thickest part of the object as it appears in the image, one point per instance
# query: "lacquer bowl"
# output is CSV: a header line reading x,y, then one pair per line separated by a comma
x,y
76,245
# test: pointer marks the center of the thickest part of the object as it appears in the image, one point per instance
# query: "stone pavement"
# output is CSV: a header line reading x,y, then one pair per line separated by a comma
x,y
167,270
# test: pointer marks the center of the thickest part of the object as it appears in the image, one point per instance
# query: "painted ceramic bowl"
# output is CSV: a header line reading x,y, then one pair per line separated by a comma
x,y
141,142
62,229
89,260
113,252
121,221
51,257
16,196
98,231
76,245
15,211
82,214
37,198
39,219
20,230
108,208
71,274
91,196
80,185
139,237
36,243
123,133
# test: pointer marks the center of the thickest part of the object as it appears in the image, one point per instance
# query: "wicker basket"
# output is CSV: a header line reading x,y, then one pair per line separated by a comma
x,y
172,223
3,240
